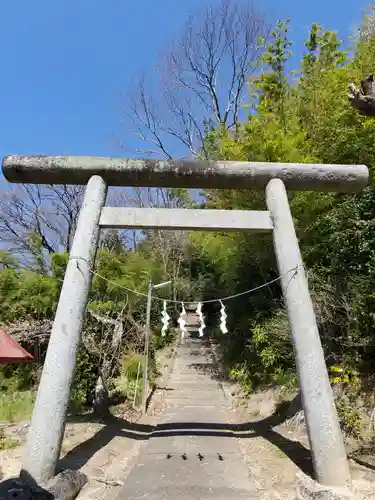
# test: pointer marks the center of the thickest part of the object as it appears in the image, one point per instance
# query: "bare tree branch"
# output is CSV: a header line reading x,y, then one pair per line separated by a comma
x,y
201,81
46,214
167,246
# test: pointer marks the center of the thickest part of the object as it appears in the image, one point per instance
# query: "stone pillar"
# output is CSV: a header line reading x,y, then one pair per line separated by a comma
x,y
326,442
48,422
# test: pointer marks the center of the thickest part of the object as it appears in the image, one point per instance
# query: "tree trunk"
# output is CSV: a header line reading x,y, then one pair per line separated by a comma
x,y
101,394
363,99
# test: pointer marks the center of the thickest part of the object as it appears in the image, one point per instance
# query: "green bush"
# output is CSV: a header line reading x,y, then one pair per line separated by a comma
x,y
287,380
131,362
349,417
131,367
85,378
129,388
19,377
264,356
159,342
9,443
242,375
16,406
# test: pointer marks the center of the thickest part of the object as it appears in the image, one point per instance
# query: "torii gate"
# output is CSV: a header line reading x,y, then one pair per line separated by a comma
x,y
48,421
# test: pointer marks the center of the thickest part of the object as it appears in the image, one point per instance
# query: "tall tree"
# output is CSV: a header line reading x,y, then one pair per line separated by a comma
x,y
171,248
201,81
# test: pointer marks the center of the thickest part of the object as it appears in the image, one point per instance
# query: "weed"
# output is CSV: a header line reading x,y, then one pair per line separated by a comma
x,y
16,406
132,365
127,387
239,373
349,417
9,443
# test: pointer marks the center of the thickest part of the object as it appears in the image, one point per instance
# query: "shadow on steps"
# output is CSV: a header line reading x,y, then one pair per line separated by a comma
x,y
115,426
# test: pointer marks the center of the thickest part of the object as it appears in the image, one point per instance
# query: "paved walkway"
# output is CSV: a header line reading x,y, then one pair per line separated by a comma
x,y
191,455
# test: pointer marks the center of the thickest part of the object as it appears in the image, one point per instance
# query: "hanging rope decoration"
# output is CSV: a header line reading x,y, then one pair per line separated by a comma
x,y
165,319
201,318
223,318
293,270
181,321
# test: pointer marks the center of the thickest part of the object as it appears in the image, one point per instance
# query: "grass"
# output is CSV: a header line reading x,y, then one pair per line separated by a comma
x,y
16,406
281,453
9,443
131,362
287,381
126,383
127,387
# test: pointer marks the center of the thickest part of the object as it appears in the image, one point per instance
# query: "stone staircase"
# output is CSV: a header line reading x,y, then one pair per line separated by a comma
x,y
192,320
192,452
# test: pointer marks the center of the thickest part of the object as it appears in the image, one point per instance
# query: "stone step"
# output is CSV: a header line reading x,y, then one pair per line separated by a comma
x,y
181,379
199,359
193,452
201,402
193,385
190,383
194,371
160,478
182,404
183,439
198,414
186,374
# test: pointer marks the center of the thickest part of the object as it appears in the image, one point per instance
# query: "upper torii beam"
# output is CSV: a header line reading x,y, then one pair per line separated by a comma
x,y
183,173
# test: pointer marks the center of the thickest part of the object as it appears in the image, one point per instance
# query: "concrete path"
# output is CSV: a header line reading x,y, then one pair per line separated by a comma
x,y
191,455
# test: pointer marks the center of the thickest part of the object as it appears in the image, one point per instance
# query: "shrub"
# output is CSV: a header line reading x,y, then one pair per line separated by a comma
x,y
19,377
85,378
131,367
16,406
131,362
349,417
242,375
9,443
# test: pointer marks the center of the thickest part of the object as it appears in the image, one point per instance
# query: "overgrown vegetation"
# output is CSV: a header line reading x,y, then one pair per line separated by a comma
x,y
28,305
304,116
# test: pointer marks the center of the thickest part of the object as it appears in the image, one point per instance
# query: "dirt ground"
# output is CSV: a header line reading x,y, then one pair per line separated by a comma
x,y
276,452
279,451
102,450
95,448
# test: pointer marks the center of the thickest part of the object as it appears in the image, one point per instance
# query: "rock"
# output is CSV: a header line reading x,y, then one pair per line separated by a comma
x,y
23,430
16,488
64,486
67,484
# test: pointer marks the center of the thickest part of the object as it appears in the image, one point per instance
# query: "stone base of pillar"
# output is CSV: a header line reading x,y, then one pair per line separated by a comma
x,y
64,486
308,489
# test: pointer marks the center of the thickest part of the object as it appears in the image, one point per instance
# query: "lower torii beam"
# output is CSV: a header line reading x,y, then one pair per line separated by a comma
x,y
186,219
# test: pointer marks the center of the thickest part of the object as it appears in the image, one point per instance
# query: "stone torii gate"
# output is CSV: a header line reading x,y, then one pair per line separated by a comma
x,y
48,421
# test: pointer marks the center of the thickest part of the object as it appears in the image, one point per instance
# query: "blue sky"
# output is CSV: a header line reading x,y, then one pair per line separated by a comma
x,y
64,63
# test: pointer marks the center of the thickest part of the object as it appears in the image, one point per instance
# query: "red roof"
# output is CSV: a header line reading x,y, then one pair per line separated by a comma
x,y
11,351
